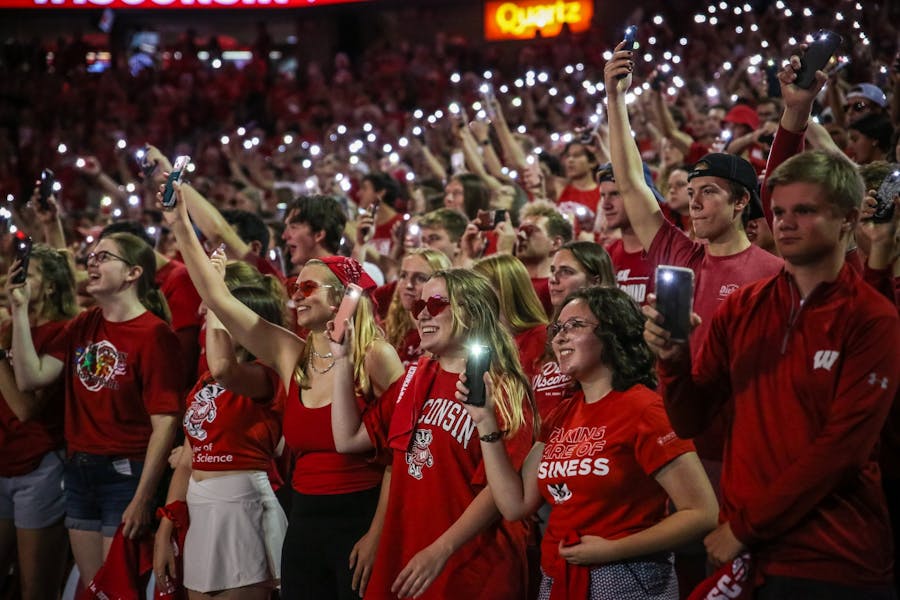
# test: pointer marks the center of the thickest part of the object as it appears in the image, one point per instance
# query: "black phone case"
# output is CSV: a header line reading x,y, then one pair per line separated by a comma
x,y
816,57
45,189
889,188
476,367
674,300
168,197
23,253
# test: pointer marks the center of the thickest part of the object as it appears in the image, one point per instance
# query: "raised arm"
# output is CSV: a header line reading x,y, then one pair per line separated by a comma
x,y
512,151
670,130
243,378
212,224
643,210
271,344
31,371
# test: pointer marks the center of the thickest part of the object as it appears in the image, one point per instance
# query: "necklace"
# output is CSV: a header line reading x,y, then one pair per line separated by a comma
x,y
322,356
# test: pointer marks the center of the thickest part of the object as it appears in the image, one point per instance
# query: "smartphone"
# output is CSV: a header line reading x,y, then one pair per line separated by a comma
x,y
817,55
45,189
889,189
23,253
487,93
458,162
414,235
630,42
674,297
345,311
499,216
177,174
147,166
478,362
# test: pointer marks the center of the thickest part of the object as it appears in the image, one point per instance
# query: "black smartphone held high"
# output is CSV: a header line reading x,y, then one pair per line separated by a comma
x,y
889,189
23,253
674,298
45,189
499,216
817,55
630,42
177,174
478,362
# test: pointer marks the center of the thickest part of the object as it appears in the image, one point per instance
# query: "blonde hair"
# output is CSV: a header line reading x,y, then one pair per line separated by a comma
x,y
474,307
399,322
239,273
365,331
519,303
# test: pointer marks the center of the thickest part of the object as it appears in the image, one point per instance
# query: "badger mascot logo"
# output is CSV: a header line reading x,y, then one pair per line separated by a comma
x,y
202,410
420,456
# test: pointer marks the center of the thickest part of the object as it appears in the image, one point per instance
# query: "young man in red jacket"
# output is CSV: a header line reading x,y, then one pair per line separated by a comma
x,y
805,367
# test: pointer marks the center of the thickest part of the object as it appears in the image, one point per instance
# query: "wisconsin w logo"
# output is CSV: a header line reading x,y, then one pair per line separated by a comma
x,y
824,359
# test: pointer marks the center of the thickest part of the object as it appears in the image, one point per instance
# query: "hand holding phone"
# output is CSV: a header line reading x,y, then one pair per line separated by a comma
x,y
345,312
177,175
478,363
817,55
22,250
674,298
630,43
148,166
45,189
889,189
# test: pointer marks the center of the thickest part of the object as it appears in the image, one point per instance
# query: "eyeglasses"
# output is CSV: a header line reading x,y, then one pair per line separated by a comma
x,y
435,306
105,256
305,288
554,329
856,107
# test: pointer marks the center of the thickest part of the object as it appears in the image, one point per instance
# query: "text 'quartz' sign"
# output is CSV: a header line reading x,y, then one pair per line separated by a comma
x,y
521,20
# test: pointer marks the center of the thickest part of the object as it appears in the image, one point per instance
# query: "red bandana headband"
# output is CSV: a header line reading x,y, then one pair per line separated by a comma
x,y
348,271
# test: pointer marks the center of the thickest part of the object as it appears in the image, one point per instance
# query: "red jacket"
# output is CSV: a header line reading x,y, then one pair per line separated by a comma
x,y
805,390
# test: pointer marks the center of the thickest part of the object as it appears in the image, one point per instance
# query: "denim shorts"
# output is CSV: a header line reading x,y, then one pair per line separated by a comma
x,y
34,500
98,490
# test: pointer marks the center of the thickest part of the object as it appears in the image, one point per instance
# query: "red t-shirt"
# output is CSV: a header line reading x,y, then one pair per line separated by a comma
x,y
23,445
230,432
181,295
586,198
715,277
264,266
319,469
531,344
596,470
382,239
550,387
542,288
433,481
634,273
116,376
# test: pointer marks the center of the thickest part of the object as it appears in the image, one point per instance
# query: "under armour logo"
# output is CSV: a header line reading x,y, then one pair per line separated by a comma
x,y
824,359
874,380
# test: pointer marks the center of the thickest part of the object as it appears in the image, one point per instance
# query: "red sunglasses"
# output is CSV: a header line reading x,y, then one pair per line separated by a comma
x,y
305,288
435,306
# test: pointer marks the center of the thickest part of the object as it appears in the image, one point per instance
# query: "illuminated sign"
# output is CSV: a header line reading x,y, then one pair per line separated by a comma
x,y
168,3
523,19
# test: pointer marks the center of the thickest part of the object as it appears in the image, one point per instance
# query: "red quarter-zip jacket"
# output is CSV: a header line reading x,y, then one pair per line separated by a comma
x,y
805,387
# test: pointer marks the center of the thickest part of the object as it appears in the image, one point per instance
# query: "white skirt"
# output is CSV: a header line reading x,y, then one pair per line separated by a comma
x,y
236,533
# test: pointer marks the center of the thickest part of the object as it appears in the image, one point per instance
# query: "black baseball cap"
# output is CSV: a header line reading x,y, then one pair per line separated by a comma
x,y
733,168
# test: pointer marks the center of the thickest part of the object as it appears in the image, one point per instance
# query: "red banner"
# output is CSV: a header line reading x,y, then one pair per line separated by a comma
x,y
170,4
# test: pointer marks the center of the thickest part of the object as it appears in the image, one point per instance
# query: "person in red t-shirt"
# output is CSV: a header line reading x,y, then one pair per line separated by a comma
x,y
232,433
634,272
580,162
123,374
334,495
542,230
441,536
400,326
520,309
31,438
607,462
374,233
575,265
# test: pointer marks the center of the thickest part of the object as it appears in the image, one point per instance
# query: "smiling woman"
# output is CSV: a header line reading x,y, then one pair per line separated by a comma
x,y
606,461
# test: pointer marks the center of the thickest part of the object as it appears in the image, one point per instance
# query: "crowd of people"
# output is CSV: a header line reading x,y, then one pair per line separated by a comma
x,y
262,375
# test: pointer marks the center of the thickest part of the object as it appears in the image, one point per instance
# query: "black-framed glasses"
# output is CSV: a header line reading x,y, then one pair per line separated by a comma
x,y
435,306
554,329
105,256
